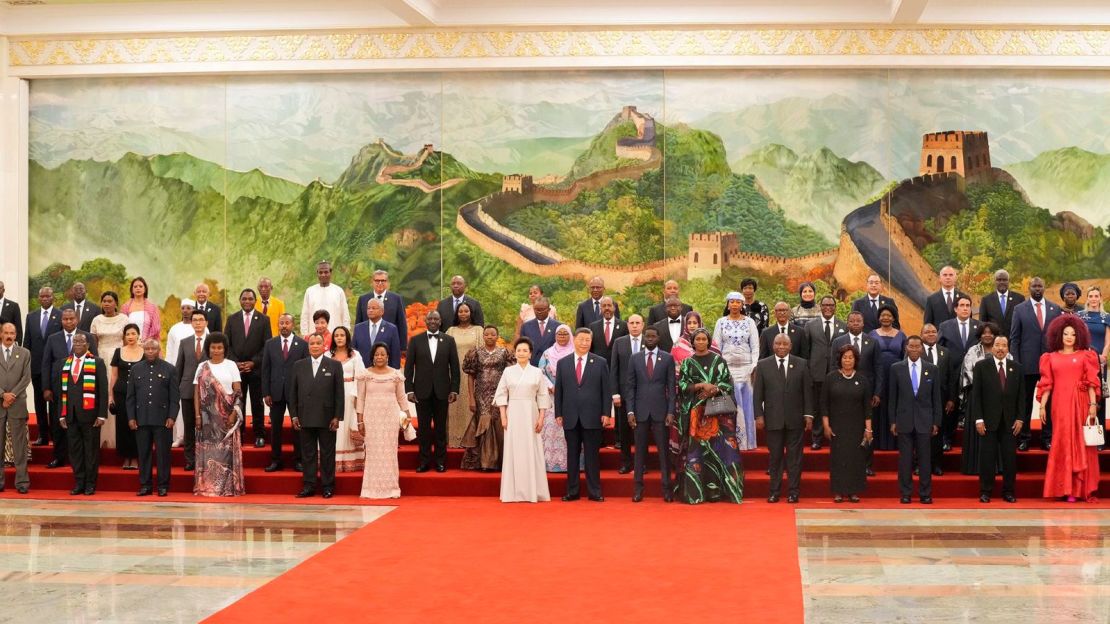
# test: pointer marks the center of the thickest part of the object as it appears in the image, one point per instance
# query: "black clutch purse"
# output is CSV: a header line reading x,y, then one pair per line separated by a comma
x,y
720,405
112,409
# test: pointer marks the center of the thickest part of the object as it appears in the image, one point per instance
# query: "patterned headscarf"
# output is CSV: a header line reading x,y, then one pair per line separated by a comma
x,y
733,295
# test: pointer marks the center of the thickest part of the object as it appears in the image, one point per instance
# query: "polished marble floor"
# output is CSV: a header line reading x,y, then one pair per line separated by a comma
x,y
940,566
153,562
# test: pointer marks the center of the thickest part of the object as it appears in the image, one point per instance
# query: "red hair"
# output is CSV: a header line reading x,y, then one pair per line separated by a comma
x,y
1055,332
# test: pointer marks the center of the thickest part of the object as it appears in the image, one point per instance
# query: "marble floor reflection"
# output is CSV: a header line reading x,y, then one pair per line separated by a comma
x,y
939,566
153,562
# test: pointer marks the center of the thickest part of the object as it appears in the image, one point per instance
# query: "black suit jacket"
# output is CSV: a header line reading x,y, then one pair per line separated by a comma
x,y
949,369
316,400
277,369
214,315
394,313
658,312
35,341
936,308
9,313
664,328
152,393
446,309
783,405
619,366
868,363
598,346
584,316
651,397
949,337
432,379
767,339
920,413
997,407
88,312
991,310
74,404
870,317
531,330
817,348
247,348
586,402
55,350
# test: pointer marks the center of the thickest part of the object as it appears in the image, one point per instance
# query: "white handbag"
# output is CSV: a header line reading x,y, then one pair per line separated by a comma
x,y
1093,434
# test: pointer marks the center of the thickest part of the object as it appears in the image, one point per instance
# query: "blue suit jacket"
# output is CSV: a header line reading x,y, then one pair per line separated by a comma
x,y
586,402
1027,339
394,313
387,333
531,330
651,398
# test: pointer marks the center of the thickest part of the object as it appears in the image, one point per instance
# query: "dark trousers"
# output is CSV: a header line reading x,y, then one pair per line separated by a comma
x,y
19,447
624,434
579,438
42,410
431,420
60,438
161,438
189,421
645,432
1046,425
252,391
908,444
277,436
324,437
1001,442
84,452
817,434
790,441
949,424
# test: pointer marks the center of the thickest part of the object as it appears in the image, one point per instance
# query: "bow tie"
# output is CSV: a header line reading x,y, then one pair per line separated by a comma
x,y
676,320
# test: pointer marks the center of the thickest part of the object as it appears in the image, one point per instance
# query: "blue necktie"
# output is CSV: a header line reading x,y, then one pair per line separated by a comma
x,y
913,376
69,343
45,319
1002,302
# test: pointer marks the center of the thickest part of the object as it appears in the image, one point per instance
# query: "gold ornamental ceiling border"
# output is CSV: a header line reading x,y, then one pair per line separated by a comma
x,y
523,48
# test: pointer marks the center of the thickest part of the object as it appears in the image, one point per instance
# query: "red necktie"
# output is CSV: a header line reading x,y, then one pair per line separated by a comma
x,y
76,369
266,308
197,347
1040,316
285,349
1002,375
607,333
246,323
543,324
578,371
650,366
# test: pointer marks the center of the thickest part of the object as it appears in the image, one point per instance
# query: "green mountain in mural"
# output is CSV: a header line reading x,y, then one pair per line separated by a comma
x,y
1068,179
818,188
202,174
601,153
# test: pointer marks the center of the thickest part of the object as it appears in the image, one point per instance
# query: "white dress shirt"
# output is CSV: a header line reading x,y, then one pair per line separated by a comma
x,y
433,344
316,364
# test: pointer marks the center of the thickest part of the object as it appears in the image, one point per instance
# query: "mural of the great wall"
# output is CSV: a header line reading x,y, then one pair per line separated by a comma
x,y
555,178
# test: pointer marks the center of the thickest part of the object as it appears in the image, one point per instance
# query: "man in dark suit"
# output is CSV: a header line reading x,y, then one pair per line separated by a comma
x,y
281,352
540,330
998,307
9,313
948,372
58,347
393,311
190,353
869,304
868,364
40,324
672,325
997,400
432,382
153,399
659,311
82,414
817,338
590,309
941,305
783,400
916,406
15,377
624,348
247,332
448,305
583,403
316,406
782,325
962,332
376,329
651,397
210,310
607,329
1028,342
86,310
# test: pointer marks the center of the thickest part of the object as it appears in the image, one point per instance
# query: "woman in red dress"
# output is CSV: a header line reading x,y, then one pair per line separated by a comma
x,y
1069,378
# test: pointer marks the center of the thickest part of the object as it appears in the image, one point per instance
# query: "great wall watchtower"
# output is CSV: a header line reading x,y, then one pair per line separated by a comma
x,y
517,183
710,253
964,152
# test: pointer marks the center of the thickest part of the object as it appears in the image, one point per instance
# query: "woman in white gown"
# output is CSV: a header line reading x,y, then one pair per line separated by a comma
x,y
522,398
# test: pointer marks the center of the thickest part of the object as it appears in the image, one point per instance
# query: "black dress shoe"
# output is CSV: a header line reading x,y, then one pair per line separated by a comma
x,y
668,497
40,442
273,467
938,471
90,490
905,500
983,498
1023,445
298,467
947,446
1046,446
568,497
328,494
926,500
259,442
163,491
624,470
306,493
917,472
870,472
637,497
792,498
54,463
145,491
816,446
441,468
774,498
77,490
190,467
597,499
423,468
1009,498
22,489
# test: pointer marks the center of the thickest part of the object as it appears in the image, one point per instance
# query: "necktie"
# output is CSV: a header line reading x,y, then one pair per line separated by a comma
x,y
597,308
266,308
963,333
1040,315
913,376
650,365
607,332
76,368
69,343
929,354
373,332
246,323
948,300
77,309
635,346
1002,375
578,371
828,331
457,303
1002,302
782,368
7,354
855,342
285,348
543,327
875,306
45,319
782,330
196,347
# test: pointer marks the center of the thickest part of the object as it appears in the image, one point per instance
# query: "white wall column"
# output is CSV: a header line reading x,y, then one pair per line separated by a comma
x,y
14,124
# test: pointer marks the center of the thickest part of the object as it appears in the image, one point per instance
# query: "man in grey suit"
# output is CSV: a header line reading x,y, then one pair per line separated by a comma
x,y
783,392
316,406
817,338
650,389
190,354
153,398
15,376
917,403
624,348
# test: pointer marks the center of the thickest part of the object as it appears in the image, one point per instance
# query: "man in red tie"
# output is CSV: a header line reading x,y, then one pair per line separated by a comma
x,y
1027,344
278,357
607,329
247,332
583,405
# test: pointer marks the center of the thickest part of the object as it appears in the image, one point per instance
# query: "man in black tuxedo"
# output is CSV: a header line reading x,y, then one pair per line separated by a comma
x,y
540,330
868,364
432,382
583,403
210,310
58,347
1028,342
941,305
917,406
783,400
659,311
998,307
86,310
817,338
782,325
672,325
393,310
190,353
153,399
80,415
316,404
448,305
247,332
869,304
9,313
607,329
281,352
590,309
624,348
997,400
40,325
948,372
650,389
